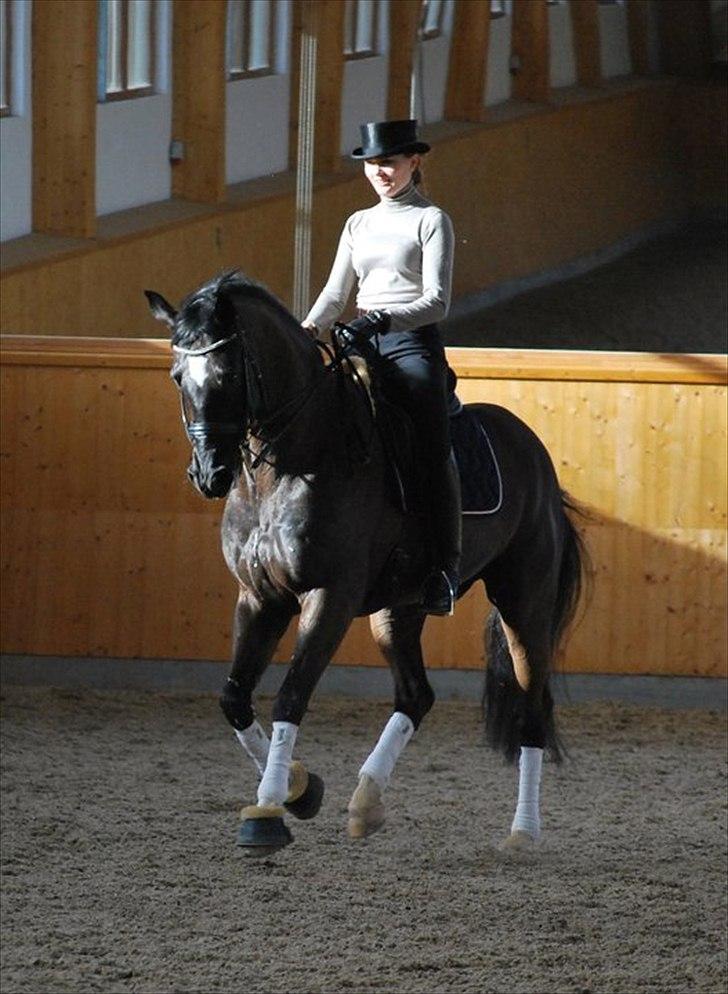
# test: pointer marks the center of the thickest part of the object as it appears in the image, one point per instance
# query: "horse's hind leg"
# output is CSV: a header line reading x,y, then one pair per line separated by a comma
x,y
397,632
518,701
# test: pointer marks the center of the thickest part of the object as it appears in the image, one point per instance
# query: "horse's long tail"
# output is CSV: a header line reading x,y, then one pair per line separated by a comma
x,y
574,570
508,712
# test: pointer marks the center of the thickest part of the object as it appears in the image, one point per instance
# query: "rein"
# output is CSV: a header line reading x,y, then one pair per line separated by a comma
x,y
200,430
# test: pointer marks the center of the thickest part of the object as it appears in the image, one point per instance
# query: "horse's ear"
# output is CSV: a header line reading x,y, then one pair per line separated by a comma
x,y
160,308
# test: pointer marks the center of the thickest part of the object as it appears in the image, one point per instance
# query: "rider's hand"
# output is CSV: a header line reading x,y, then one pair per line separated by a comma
x,y
375,322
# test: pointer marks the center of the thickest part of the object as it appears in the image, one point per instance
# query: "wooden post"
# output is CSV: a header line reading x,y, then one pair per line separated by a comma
x,y
685,42
198,99
530,50
585,26
404,17
465,94
64,117
322,20
637,28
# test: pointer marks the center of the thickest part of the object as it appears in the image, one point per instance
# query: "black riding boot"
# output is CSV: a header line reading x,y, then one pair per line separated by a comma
x,y
441,586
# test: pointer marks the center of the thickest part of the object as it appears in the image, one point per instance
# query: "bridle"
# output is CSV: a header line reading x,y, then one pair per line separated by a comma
x,y
198,430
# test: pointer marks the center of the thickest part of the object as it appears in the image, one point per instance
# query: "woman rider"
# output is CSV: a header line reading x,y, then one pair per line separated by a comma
x,y
400,252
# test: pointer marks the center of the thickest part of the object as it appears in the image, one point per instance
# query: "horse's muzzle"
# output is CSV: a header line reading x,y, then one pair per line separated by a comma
x,y
214,482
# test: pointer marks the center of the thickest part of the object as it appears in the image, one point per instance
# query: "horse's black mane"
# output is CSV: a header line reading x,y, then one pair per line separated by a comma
x,y
200,312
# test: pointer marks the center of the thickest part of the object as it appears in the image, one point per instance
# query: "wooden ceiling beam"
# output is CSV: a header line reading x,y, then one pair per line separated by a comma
x,y
404,19
323,20
64,117
198,100
530,51
465,93
587,49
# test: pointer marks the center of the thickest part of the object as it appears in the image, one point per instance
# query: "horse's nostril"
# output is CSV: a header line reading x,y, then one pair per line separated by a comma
x,y
220,482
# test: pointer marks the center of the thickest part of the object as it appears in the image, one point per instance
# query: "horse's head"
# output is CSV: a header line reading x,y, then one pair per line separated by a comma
x,y
208,369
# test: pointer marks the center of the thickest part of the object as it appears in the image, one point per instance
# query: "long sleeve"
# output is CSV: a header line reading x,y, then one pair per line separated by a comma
x,y
438,244
333,298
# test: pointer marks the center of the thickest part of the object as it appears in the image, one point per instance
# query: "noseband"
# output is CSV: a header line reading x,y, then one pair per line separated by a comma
x,y
200,430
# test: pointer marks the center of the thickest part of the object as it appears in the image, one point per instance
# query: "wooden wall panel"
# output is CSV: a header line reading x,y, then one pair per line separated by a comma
x,y
587,51
685,37
64,117
530,45
638,13
467,68
107,550
404,18
198,100
323,19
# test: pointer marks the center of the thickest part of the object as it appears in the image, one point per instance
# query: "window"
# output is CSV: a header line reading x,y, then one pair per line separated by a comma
x,y
126,49
5,56
250,33
432,18
360,28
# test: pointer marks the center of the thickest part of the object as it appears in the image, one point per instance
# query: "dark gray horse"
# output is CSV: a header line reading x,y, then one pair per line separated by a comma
x,y
310,528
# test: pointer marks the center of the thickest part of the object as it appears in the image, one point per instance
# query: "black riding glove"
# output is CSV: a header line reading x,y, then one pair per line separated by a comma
x,y
360,330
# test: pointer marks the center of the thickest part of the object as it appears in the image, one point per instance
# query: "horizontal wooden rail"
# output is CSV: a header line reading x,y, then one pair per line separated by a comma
x,y
498,364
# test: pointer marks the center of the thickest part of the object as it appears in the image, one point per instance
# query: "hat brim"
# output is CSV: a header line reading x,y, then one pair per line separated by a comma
x,y
380,151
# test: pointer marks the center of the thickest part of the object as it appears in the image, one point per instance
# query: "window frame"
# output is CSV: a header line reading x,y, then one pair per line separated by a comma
x,y
352,54
231,75
127,92
6,109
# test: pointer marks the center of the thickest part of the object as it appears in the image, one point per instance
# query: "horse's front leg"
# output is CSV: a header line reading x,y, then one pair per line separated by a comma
x,y
325,617
259,626
397,632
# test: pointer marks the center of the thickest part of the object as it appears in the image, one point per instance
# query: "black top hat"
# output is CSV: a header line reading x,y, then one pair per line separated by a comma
x,y
380,138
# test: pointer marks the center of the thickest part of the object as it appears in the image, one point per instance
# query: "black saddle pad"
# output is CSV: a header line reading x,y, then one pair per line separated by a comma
x,y
480,478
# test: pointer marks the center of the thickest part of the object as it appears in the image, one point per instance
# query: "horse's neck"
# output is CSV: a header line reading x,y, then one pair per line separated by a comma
x,y
290,371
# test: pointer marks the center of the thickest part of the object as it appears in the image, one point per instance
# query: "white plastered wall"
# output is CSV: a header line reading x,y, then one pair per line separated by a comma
x,y
431,71
498,77
614,40
132,137
364,87
257,113
16,139
561,45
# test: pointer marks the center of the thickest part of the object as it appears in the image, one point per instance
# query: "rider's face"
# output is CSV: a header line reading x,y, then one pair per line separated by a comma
x,y
390,174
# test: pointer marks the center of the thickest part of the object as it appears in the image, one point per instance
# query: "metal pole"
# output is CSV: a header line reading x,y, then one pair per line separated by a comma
x,y
304,164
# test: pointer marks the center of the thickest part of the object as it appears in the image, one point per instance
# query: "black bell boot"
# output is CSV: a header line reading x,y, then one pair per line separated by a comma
x,y
441,586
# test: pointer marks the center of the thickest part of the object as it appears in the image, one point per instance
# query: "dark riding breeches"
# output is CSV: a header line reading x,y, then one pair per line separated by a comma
x,y
414,376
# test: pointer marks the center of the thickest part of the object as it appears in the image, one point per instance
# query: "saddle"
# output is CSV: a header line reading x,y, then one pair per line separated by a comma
x,y
481,484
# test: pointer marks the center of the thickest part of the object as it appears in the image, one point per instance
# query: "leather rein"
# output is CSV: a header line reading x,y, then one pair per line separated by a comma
x,y
200,430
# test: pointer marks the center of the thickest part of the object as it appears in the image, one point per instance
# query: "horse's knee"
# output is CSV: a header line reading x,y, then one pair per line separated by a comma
x,y
237,706
416,705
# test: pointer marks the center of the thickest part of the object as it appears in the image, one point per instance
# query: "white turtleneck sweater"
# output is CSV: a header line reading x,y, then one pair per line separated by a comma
x,y
400,252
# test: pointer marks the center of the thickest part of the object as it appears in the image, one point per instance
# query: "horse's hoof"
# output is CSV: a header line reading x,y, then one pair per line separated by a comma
x,y
307,803
366,811
263,831
519,842
359,826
